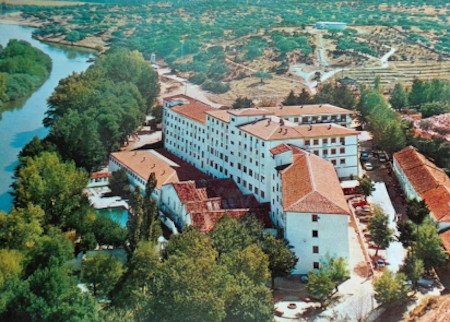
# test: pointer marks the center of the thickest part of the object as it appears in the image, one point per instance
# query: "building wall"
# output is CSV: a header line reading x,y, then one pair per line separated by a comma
x,y
341,119
172,206
332,238
404,182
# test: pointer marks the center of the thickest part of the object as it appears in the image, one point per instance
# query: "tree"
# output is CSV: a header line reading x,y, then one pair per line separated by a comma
x,y
101,272
390,288
291,99
108,232
119,183
399,97
413,268
242,102
428,246
51,249
188,288
281,259
303,98
55,186
406,230
379,229
417,211
250,261
135,219
151,225
320,286
143,268
246,301
191,243
366,186
419,93
434,108
49,294
230,234
336,269
73,36
2,86
11,265
22,227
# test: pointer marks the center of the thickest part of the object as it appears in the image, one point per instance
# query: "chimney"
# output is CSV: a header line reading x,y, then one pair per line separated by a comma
x,y
329,126
320,105
281,122
143,159
280,105
310,127
154,165
164,171
280,130
268,122
285,131
301,106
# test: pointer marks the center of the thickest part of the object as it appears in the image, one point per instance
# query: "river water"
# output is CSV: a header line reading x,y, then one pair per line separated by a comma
x,y
23,121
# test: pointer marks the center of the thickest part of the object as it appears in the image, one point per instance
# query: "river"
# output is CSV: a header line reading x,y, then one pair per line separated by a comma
x,y
23,121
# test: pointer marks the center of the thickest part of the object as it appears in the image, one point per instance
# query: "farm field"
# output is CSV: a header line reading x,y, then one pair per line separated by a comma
x,y
225,47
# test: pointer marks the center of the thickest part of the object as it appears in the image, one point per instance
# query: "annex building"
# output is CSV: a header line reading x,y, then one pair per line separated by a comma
x,y
288,157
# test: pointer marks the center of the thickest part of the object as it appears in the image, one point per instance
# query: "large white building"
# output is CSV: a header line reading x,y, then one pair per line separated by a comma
x,y
273,154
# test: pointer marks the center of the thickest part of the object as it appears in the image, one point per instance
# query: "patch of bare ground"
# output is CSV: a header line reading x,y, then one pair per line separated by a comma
x,y
276,88
15,18
431,309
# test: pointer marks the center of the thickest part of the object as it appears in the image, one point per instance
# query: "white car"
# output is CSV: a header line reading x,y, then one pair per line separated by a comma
x,y
368,166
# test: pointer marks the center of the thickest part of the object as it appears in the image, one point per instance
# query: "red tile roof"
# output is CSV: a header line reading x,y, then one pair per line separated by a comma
x,y
310,184
252,111
281,148
190,107
445,237
99,175
429,181
273,129
311,109
222,115
209,200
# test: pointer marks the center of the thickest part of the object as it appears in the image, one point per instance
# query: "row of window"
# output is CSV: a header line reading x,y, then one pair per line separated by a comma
x,y
325,141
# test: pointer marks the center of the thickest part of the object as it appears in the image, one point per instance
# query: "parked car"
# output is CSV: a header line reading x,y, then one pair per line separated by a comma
x,y
365,155
425,283
368,166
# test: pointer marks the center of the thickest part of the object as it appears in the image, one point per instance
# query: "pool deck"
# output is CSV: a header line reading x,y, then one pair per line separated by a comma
x,y
97,200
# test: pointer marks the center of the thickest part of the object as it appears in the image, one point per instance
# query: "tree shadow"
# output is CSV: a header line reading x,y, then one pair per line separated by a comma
x,y
22,138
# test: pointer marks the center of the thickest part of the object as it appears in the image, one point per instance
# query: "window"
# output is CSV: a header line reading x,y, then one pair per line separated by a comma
x,y
315,249
325,141
307,142
325,152
316,142
333,162
315,233
342,161
342,150
333,140
316,265
315,217
333,151
316,152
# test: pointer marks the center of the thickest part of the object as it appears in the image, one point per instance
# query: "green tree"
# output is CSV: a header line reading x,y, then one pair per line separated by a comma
x,y
406,230
51,249
413,268
419,93
230,234
246,301
379,229
108,232
399,97
434,108
428,246
250,261
101,272
73,36
303,98
320,286
135,219
366,186
22,227
188,289
390,288
291,99
417,211
11,265
119,183
242,102
151,225
55,186
336,268
281,258
2,86
192,243
49,294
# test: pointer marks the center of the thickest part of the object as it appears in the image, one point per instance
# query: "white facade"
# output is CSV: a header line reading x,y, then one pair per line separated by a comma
x,y
223,147
318,237
404,182
172,205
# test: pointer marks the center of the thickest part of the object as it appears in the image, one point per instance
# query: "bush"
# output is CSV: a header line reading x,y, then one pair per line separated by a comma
x,y
215,87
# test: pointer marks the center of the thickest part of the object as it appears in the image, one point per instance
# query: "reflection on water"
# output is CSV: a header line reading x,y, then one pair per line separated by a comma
x,y
23,119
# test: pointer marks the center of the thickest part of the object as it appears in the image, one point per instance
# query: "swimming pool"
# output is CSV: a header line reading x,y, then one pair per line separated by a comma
x,y
119,215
